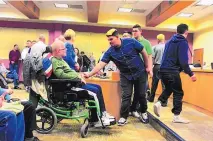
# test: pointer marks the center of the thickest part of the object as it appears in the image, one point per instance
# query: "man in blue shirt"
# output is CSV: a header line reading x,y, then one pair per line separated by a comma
x,y
125,53
175,59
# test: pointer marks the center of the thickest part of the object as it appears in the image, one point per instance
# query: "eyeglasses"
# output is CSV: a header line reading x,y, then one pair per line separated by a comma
x,y
62,49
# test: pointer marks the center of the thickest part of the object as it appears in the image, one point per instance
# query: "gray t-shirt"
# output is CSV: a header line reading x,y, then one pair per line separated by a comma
x,y
157,53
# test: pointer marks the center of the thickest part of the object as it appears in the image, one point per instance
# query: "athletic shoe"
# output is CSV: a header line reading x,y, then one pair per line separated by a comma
x,y
122,122
157,107
135,114
178,119
144,118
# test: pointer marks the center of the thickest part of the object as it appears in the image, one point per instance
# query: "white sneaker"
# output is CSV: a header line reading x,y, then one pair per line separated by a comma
x,y
106,122
178,119
144,118
157,107
135,114
130,113
122,121
108,116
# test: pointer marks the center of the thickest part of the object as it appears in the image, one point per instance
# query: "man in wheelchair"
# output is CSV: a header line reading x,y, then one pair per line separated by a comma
x,y
62,71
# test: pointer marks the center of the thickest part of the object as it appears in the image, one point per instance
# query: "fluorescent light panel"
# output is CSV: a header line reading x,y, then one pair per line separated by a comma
x,y
185,15
124,9
60,5
205,3
2,2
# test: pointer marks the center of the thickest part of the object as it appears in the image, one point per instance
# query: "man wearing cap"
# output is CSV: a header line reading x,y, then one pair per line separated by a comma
x,y
157,54
125,53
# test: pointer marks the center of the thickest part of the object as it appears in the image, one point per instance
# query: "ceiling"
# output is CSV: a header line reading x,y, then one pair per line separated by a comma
x,y
78,10
197,11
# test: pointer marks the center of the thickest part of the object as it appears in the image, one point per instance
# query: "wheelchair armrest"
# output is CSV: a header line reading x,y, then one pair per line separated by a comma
x,y
67,81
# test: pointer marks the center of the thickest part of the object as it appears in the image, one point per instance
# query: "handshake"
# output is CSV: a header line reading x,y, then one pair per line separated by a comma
x,y
83,76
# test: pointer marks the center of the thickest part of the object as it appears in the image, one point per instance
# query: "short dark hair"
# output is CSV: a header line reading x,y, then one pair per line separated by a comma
x,y
182,28
28,41
33,40
15,45
137,26
82,52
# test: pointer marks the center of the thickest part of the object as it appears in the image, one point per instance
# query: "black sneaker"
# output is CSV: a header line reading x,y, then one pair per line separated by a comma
x,y
17,87
144,118
164,104
150,98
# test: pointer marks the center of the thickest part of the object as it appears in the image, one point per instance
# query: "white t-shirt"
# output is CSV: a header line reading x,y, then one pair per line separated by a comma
x,y
24,53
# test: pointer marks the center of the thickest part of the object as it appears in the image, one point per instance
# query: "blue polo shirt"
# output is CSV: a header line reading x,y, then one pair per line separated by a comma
x,y
126,58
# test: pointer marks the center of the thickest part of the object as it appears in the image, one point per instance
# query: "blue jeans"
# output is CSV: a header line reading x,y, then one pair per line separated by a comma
x,y
11,126
98,91
13,75
14,67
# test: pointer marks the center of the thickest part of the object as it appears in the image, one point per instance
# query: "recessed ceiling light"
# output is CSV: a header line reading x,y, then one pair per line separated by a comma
x,y
205,3
185,15
124,9
2,2
60,5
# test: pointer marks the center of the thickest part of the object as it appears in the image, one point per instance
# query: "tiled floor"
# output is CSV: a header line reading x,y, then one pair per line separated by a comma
x,y
70,130
199,129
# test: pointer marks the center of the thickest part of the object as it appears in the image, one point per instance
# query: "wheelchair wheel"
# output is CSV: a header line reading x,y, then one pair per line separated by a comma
x,y
46,120
84,128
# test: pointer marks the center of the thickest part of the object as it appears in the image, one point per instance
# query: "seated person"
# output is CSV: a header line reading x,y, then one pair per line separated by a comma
x,y
11,126
29,115
11,75
62,71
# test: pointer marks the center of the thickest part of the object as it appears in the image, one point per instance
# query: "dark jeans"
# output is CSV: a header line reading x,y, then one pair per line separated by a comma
x,y
135,102
172,82
155,80
29,118
140,90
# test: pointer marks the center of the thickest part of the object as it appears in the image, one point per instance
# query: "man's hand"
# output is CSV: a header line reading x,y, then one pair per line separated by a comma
x,y
151,73
77,67
194,78
83,80
86,74
9,91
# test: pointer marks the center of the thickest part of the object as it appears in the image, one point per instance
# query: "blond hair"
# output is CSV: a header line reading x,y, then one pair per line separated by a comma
x,y
69,34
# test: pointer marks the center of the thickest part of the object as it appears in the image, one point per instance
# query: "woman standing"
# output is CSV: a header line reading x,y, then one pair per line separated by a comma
x,y
69,36
78,58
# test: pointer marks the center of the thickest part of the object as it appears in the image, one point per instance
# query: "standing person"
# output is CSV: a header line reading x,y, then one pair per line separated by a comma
x,y
86,62
14,56
127,34
137,34
92,59
175,59
125,54
69,36
78,58
25,51
157,54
